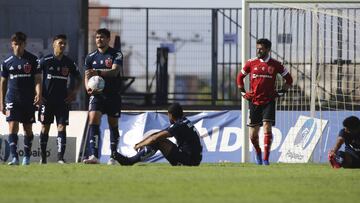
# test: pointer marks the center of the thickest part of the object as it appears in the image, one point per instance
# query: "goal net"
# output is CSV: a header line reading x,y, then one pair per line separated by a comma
x,y
319,44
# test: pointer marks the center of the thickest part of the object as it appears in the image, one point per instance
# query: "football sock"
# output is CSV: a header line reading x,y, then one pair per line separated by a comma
x,y
43,143
27,144
114,139
94,133
267,145
61,144
255,142
13,140
143,154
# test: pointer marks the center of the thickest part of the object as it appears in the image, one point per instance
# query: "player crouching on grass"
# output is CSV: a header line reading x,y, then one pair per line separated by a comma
x,y
350,135
187,151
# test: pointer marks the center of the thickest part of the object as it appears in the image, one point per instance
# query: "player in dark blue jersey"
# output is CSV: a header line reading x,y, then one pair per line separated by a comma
x,y
57,69
20,92
187,151
350,135
105,62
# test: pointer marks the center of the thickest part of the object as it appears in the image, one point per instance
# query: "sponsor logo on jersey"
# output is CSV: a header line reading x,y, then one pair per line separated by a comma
x,y
11,68
108,63
94,63
65,71
27,68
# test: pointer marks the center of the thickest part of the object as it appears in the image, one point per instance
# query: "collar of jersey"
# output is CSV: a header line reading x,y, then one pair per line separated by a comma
x,y
266,59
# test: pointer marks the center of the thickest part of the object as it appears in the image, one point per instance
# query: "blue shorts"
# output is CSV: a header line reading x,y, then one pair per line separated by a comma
x,y
47,112
110,105
20,112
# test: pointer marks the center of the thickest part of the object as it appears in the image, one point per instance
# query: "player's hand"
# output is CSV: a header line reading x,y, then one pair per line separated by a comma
x,y
331,153
137,147
37,100
92,92
90,72
247,95
281,93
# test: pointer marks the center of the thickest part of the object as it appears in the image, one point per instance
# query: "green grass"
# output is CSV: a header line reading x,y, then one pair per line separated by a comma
x,y
163,183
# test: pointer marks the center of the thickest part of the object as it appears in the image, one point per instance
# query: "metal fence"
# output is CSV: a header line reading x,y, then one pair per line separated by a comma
x,y
205,47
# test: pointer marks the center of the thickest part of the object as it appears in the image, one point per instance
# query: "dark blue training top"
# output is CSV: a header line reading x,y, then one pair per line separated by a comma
x,y
103,61
186,135
55,77
352,141
20,72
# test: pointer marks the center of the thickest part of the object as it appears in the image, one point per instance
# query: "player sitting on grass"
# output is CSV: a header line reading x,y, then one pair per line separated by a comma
x,y
188,150
350,135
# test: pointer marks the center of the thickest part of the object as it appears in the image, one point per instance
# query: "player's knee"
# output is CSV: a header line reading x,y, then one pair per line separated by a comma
x,y
94,117
61,128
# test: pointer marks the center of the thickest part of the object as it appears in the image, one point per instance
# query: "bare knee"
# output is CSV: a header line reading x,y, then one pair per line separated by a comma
x,y
94,117
61,128
267,127
28,129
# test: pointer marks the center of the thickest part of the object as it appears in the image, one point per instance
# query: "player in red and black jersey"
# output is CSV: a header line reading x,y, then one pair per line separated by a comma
x,y
262,94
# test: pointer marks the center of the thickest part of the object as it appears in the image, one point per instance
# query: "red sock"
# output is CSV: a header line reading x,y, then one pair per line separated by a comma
x,y
255,142
267,145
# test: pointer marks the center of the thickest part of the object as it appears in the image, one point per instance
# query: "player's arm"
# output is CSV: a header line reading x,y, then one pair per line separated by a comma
x,y
77,83
240,81
152,139
38,89
339,142
3,83
288,82
113,72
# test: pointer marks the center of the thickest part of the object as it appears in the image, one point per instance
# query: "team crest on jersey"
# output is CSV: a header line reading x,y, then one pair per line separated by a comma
x,y
27,68
65,71
108,63
271,70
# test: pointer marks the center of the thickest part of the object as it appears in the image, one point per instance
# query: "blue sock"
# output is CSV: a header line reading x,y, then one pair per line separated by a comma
x,y
145,153
13,140
94,134
43,144
27,144
61,144
114,139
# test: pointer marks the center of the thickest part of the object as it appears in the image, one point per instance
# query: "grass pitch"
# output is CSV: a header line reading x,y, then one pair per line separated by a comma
x,y
162,183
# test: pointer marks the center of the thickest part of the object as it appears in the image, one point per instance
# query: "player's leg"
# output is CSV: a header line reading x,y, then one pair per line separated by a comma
x,y
13,140
142,155
112,107
254,128
46,117
114,137
62,120
94,116
175,156
28,138
268,122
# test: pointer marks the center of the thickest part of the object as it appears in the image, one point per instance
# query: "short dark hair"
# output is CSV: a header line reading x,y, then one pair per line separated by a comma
x,y
103,31
60,36
176,110
18,37
265,42
351,123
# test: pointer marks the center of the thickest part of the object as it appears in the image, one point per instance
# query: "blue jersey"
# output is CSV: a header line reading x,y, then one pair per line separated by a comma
x,y
186,135
55,77
20,72
104,61
352,141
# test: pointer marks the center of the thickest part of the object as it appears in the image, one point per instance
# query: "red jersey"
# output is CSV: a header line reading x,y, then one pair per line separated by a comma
x,y
262,78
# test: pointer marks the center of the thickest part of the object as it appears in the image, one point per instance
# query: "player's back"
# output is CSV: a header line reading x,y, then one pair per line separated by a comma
x,y
20,72
352,141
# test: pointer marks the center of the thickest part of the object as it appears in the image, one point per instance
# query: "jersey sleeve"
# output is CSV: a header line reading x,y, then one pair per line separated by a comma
x,y
88,61
173,129
118,58
342,133
4,70
284,72
244,71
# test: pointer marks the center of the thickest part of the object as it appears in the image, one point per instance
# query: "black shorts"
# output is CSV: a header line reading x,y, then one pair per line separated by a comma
x,y
47,112
355,157
110,105
178,157
261,113
20,112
